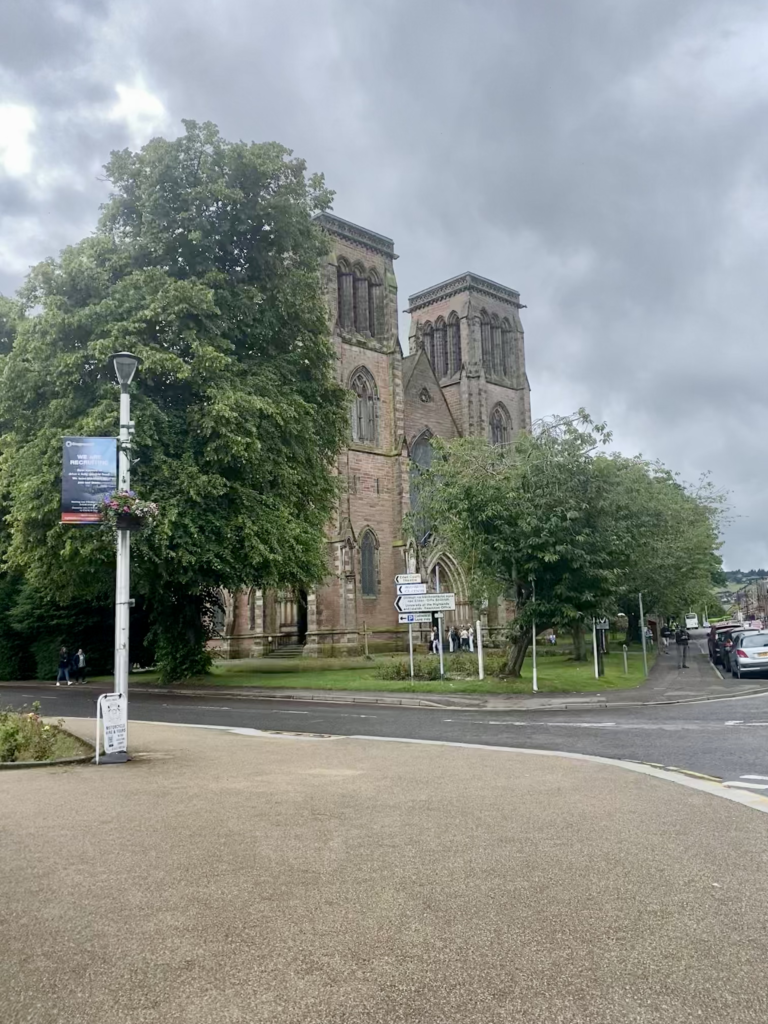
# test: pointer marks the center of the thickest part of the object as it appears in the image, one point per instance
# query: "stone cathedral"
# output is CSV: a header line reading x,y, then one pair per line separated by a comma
x,y
464,374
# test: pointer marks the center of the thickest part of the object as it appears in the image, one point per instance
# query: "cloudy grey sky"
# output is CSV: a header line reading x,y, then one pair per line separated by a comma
x,y
608,158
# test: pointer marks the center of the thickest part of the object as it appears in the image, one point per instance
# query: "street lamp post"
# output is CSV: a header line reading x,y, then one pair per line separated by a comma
x,y
125,367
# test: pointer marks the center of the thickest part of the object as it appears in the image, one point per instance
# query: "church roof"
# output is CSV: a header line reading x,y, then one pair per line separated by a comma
x,y
466,282
355,233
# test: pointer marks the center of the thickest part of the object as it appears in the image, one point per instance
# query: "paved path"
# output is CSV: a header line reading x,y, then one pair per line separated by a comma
x,y
220,879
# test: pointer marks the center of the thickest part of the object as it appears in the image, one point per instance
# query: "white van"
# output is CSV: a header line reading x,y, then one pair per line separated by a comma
x,y
691,620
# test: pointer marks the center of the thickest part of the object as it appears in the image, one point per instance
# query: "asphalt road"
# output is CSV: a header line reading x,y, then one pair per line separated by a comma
x,y
723,739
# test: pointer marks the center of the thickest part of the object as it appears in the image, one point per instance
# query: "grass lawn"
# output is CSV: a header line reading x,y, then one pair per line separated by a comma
x,y
555,675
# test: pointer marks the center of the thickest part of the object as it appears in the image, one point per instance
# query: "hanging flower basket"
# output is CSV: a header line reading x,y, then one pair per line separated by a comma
x,y
124,511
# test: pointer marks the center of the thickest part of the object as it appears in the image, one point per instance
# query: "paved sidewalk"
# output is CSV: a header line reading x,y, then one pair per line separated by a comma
x,y
234,879
666,685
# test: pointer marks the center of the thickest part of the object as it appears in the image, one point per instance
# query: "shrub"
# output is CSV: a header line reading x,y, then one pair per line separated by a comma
x,y
25,737
10,736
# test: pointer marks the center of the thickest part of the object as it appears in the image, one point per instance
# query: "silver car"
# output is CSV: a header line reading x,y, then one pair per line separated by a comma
x,y
749,653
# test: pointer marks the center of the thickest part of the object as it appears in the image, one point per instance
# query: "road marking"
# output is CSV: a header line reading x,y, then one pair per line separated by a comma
x,y
763,778
746,785
198,707
735,721
37,696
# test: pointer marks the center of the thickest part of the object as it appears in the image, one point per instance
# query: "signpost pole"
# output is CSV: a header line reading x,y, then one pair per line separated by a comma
x,y
123,581
410,647
125,366
480,649
642,635
439,621
594,647
533,639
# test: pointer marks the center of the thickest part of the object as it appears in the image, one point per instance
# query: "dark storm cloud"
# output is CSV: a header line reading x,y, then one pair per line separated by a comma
x,y
606,159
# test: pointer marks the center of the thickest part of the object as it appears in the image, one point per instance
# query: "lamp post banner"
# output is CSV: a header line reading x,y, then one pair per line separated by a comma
x,y
88,476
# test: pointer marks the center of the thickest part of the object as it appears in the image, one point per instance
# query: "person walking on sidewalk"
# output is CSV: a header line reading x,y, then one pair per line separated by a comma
x,y
681,639
666,632
63,673
78,666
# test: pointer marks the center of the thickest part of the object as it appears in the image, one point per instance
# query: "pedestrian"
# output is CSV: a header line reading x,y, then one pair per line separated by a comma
x,y
78,666
471,640
63,674
552,639
681,639
455,639
435,640
464,638
666,632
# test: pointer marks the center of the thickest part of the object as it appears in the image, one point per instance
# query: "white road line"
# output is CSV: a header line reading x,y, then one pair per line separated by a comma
x,y
198,707
37,696
735,721
763,778
746,785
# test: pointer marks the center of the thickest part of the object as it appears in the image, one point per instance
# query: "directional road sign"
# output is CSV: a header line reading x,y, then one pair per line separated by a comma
x,y
411,588
426,603
408,577
410,617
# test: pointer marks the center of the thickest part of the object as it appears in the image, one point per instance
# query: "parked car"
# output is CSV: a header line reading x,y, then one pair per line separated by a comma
x,y
749,654
715,638
732,638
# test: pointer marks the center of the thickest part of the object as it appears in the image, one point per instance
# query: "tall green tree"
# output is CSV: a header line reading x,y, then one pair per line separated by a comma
x,y
672,554
529,515
205,264
553,512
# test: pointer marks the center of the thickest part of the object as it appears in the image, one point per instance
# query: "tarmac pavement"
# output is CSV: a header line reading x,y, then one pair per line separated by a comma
x,y
240,878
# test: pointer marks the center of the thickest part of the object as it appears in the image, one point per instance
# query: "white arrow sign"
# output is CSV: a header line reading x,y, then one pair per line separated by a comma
x,y
408,577
410,617
411,588
426,603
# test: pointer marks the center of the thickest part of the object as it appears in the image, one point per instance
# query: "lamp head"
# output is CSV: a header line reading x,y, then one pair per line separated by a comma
x,y
125,367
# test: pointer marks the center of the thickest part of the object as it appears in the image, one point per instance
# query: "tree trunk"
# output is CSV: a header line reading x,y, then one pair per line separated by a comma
x,y
516,656
579,653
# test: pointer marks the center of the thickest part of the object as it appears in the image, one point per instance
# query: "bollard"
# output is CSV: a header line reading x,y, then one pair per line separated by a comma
x,y
624,648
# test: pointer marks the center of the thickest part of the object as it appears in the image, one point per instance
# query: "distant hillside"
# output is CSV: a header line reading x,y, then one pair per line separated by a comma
x,y
741,575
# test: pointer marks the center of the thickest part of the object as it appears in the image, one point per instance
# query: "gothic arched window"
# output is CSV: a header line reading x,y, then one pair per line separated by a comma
x,y
507,349
454,344
495,345
421,459
485,339
364,410
440,364
375,305
346,298
362,316
501,426
219,614
428,336
368,574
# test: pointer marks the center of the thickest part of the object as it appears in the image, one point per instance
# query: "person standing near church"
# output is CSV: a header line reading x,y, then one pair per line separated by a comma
x,y
682,638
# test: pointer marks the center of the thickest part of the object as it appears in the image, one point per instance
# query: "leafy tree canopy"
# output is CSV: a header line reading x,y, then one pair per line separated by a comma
x,y
204,264
553,511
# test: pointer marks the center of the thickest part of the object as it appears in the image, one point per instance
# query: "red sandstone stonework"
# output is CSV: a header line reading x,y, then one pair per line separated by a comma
x,y
484,391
